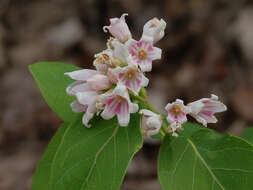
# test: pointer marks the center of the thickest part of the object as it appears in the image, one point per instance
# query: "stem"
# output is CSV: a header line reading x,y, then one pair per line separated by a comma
x,y
162,133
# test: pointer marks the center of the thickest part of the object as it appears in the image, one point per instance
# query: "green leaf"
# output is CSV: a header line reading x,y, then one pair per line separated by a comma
x,y
41,176
79,158
190,129
206,161
248,134
53,83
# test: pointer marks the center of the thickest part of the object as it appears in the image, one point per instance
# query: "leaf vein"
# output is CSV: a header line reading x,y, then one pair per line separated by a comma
x,y
97,154
205,164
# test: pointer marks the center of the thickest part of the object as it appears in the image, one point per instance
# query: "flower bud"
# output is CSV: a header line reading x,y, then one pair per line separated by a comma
x,y
153,30
153,122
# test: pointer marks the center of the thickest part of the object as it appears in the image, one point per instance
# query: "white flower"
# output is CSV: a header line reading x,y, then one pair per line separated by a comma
x,y
203,110
118,28
86,89
153,122
131,77
153,30
118,103
87,80
143,52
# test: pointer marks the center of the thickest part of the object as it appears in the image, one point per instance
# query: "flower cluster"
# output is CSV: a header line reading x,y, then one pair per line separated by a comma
x,y
202,110
120,76
120,71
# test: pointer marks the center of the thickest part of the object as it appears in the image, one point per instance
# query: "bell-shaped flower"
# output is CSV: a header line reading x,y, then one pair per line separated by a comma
x,y
119,29
203,110
177,112
153,122
87,80
131,77
143,52
118,103
153,30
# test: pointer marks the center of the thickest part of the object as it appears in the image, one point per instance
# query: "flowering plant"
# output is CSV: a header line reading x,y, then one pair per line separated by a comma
x,y
103,130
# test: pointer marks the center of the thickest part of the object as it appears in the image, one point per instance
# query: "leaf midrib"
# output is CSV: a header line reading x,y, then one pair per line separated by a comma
x,y
205,164
97,154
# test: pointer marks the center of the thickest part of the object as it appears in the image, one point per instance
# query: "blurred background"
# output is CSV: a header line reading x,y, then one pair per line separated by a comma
x,y
208,48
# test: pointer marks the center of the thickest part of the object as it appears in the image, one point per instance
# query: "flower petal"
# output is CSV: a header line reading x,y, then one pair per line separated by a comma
x,y
144,81
120,51
156,53
118,28
182,118
78,86
87,98
77,107
107,113
86,118
83,74
124,115
146,112
208,118
146,66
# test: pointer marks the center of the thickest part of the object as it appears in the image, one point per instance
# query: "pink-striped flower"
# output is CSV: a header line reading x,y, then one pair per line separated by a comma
x,y
153,30
177,112
203,110
143,52
119,29
118,103
86,89
87,80
131,77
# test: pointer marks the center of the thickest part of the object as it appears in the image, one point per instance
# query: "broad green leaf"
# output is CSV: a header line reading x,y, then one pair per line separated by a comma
x,y
79,158
248,134
53,83
41,177
206,161
190,129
